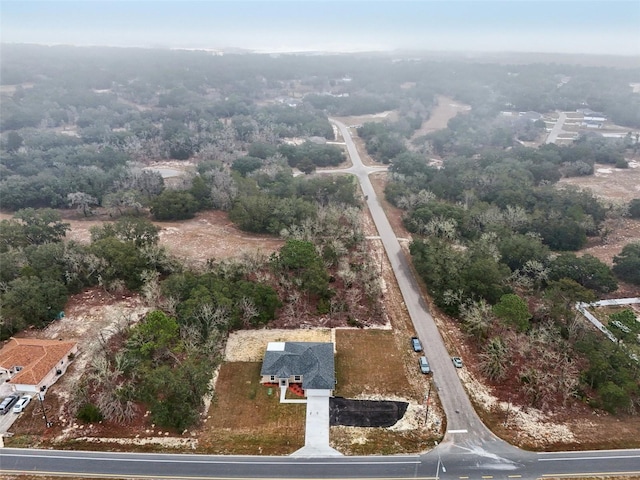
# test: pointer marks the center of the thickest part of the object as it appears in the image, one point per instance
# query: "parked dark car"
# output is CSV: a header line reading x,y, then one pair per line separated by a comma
x,y
415,343
424,365
7,403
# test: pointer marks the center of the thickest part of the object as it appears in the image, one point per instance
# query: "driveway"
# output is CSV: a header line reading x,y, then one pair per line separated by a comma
x,y
316,437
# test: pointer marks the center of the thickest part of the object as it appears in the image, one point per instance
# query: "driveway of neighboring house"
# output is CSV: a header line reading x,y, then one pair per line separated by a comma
x,y
8,418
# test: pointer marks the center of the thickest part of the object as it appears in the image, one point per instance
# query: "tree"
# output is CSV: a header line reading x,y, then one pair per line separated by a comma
x,y
82,201
140,231
562,295
123,261
300,257
32,227
157,333
32,301
494,358
634,208
587,270
516,250
514,310
483,277
14,141
246,165
174,205
477,318
626,265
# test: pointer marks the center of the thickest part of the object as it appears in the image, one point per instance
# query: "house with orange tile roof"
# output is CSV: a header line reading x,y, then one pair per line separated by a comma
x,y
33,365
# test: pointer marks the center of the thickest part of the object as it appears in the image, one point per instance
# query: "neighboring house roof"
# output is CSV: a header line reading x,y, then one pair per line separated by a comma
x,y
530,115
312,360
36,357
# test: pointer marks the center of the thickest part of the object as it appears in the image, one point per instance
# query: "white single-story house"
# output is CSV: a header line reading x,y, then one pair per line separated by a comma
x,y
32,365
310,364
592,116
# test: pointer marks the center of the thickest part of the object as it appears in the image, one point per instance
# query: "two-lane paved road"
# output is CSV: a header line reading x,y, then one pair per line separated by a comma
x,y
461,416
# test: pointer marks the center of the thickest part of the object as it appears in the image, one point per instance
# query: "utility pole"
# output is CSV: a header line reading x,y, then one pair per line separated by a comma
x,y
506,415
47,423
427,398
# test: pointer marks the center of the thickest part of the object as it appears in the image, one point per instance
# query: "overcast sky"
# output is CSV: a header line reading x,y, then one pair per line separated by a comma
x,y
569,26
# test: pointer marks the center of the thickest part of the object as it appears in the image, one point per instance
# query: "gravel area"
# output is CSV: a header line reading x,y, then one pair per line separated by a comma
x,y
250,345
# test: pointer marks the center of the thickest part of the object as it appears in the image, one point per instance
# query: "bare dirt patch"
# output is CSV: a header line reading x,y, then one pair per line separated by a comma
x,y
250,345
209,235
615,186
446,108
618,185
389,115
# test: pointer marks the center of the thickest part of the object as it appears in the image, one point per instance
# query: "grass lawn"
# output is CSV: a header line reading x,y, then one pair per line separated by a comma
x,y
373,362
244,420
370,362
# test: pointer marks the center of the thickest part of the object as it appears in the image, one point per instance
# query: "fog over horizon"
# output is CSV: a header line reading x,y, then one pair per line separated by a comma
x,y
589,27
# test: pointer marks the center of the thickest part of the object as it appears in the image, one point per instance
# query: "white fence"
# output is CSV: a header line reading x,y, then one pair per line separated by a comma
x,y
582,308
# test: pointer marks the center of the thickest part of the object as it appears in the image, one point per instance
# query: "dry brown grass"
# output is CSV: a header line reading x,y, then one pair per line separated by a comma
x,y
245,420
369,362
377,364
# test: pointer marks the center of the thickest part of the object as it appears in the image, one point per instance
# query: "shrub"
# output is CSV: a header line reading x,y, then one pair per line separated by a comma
x,y
89,413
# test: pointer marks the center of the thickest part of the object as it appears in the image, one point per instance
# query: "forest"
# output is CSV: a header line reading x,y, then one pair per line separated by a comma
x,y
495,240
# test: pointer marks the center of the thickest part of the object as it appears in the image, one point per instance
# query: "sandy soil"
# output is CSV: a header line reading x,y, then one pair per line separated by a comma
x,y
250,345
616,186
446,109
210,235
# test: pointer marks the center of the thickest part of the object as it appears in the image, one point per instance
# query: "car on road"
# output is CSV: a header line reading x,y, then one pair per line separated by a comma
x,y
22,404
457,362
415,343
424,365
8,402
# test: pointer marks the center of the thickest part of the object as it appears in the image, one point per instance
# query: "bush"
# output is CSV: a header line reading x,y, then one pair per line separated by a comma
x,y
634,208
174,205
89,413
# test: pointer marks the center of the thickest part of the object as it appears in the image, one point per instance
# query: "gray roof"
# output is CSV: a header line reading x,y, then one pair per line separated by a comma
x,y
312,360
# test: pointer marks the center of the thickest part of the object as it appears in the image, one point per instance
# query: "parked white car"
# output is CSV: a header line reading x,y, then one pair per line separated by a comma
x,y
21,404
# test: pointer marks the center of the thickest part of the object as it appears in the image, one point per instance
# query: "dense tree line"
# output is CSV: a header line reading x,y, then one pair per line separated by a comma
x,y
493,235
38,270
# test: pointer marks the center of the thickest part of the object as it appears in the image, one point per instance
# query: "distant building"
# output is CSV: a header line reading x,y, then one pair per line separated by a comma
x,y
592,124
592,116
530,115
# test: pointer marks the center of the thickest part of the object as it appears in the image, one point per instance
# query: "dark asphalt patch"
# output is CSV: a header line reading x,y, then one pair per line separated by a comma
x,y
365,413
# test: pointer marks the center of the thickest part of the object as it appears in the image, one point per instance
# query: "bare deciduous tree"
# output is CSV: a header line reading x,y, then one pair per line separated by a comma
x,y
82,201
494,358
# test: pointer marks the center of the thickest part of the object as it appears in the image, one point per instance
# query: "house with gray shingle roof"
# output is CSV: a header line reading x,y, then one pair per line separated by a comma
x,y
310,364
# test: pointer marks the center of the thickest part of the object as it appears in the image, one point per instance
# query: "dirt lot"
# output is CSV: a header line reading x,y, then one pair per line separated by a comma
x,y
616,186
446,109
210,235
